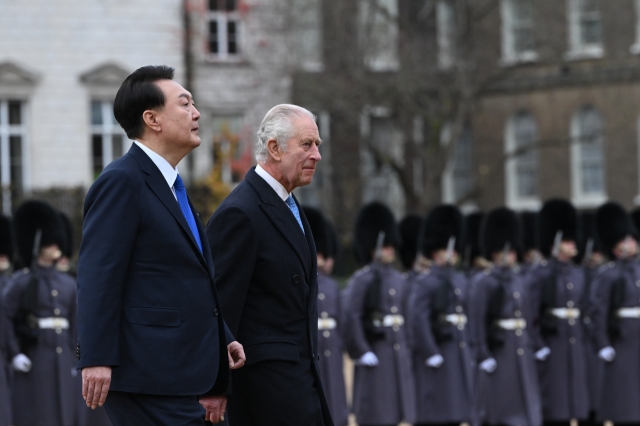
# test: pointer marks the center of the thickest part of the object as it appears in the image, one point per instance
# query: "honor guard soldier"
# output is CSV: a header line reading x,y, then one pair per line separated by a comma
x,y
531,256
442,360
412,261
499,317
330,345
561,342
473,261
591,258
615,312
41,302
383,388
6,255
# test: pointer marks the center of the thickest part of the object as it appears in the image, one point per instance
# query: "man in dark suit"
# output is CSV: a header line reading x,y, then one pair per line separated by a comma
x,y
266,275
151,332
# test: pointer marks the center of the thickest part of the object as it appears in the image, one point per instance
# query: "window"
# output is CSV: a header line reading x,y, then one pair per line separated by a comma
x,y
379,34
224,29
585,30
522,162
458,175
587,158
307,34
635,48
446,27
382,143
13,133
108,140
518,38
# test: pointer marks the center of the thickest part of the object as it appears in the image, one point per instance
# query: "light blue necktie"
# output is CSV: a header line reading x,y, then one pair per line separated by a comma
x,y
181,195
294,209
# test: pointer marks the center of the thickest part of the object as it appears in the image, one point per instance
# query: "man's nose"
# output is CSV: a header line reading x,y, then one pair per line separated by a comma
x,y
195,114
315,153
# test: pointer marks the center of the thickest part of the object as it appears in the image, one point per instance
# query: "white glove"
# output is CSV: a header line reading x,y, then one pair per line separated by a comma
x,y
369,359
21,363
543,354
434,361
489,365
607,354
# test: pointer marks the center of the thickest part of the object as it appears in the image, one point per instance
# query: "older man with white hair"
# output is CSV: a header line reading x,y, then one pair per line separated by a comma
x,y
266,275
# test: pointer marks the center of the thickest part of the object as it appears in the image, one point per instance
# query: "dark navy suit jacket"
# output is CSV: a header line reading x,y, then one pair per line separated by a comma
x,y
267,277
147,304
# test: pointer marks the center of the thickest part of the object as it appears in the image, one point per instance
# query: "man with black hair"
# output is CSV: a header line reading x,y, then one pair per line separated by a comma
x,y
558,289
442,360
376,335
615,312
152,341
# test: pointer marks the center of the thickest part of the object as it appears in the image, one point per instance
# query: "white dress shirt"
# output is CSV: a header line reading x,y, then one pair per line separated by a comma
x,y
277,186
170,174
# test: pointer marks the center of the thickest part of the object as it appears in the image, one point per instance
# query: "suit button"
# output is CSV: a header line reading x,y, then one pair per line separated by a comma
x,y
215,312
296,279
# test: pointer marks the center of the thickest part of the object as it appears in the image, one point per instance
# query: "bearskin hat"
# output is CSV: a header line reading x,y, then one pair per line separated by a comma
x,y
500,226
372,219
587,224
31,216
557,215
333,242
67,228
6,237
530,230
613,224
442,223
318,226
409,232
473,223
635,217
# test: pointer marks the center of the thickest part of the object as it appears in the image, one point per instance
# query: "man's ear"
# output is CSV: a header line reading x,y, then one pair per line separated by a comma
x,y
274,149
151,119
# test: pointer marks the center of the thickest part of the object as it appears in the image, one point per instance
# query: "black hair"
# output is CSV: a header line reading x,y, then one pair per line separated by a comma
x,y
137,94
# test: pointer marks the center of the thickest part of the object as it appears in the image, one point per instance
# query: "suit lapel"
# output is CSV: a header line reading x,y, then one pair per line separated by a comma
x,y
282,218
159,186
313,268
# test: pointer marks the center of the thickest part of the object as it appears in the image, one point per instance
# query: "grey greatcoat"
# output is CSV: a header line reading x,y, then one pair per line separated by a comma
x,y
444,394
47,395
563,375
594,366
384,394
620,386
510,395
5,362
330,349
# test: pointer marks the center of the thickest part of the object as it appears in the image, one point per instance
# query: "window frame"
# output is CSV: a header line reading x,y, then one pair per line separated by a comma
x,y
373,59
513,199
577,48
222,18
446,34
449,190
8,130
106,131
578,196
509,54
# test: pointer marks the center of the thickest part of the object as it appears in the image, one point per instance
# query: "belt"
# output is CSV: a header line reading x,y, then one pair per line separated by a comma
x,y
53,322
326,323
511,324
454,319
564,313
628,312
390,321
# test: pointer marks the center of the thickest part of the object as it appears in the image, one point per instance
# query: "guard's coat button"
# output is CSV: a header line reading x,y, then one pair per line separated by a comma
x,y
215,312
296,279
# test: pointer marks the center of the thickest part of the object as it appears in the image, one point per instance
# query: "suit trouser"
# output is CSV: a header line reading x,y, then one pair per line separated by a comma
x,y
136,409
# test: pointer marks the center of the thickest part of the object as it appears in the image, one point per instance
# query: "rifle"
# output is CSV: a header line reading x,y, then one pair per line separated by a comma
x,y
549,324
25,322
495,335
372,316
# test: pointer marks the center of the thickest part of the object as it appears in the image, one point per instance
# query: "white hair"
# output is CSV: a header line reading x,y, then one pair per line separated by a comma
x,y
278,125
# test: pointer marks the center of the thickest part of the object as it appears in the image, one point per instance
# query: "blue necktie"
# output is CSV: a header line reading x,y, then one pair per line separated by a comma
x,y
294,209
181,195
